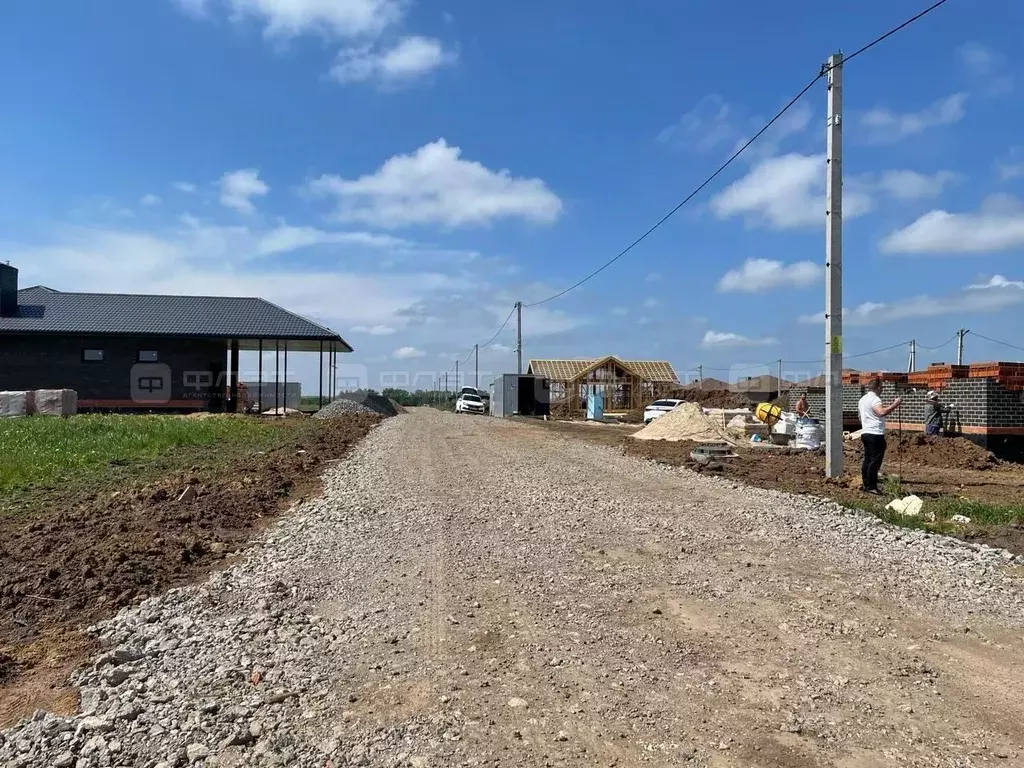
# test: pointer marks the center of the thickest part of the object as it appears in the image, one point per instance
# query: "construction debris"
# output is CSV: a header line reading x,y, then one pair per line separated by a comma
x,y
908,506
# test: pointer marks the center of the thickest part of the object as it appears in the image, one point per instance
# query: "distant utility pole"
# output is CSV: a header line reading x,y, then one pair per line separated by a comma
x,y
519,337
446,385
834,269
912,365
476,366
960,345
700,377
780,377
456,374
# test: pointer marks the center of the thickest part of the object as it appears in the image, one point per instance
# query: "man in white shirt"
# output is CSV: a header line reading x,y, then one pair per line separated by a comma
x,y
872,422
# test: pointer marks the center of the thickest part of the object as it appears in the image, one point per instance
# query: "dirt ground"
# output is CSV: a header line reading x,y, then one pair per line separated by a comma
x,y
928,467
713,398
82,555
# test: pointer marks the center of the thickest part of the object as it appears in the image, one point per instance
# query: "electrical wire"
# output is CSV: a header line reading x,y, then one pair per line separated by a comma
x,y
502,328
685,200
997,341
943,344
824,70
888,34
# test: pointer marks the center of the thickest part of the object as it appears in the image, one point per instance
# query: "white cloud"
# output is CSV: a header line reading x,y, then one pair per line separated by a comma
x,y
411,58
996,281
993,295
883,126
196,8
997,226
374,330
284,238
654,277
503,349
407,353
721,339
149,199
224,261
651,303
1010,171
184,186
435,185
620,311
758,275
1011,166
237,188
785,192
986,65
714,124
330,18
910,185
709,124
643,320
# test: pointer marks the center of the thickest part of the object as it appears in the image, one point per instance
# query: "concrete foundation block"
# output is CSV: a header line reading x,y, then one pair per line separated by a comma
x,y
16,403
55,402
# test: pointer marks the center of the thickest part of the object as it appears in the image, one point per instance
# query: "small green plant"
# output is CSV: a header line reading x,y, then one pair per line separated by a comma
x,y
893,487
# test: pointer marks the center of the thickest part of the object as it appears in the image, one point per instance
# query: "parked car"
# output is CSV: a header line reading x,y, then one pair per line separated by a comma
x,y
485,397
469,403
659,408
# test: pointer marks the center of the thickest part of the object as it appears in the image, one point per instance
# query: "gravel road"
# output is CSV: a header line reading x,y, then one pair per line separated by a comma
x,y
471,591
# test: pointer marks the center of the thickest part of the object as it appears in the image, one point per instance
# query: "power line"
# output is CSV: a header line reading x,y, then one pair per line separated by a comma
x,y
997,341
890,33
736,154
502,328
943,344
685,200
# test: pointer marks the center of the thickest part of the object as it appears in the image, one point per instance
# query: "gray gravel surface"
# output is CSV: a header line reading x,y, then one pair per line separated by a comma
x,y
357,402
477,592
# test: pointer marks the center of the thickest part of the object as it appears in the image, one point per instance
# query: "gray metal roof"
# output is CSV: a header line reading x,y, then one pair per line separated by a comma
x,y
44,310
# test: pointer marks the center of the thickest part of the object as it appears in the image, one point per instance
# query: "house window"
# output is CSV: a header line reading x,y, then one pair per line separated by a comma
x,y
92,355
148,356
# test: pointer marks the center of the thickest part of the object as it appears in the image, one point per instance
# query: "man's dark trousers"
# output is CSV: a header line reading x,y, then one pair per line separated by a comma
x,y
874,452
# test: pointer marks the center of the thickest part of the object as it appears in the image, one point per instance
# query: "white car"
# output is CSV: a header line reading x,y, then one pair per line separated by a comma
x,y
659,408
468,403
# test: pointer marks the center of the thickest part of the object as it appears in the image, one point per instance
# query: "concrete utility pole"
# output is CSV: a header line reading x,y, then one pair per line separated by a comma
x,y
960,345
912,365
446,385
519,337
780,378
834,269
456,374
476,366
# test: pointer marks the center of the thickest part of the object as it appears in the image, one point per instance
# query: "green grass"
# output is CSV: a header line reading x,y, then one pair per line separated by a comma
x,y
44,452
943,508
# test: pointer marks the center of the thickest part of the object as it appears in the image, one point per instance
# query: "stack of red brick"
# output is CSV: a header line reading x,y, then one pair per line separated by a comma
x,y
938,375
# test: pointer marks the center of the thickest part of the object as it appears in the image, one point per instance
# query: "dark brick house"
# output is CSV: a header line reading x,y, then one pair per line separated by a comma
x,y
126,351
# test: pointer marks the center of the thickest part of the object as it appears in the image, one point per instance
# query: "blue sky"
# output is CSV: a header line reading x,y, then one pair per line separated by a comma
x,y
405,171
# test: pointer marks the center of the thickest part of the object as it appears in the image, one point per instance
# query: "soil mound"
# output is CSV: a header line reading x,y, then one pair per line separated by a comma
x,y
929,451
686,422
712,398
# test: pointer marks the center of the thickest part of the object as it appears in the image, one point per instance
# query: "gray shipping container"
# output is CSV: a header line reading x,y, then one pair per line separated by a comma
x,y
514,394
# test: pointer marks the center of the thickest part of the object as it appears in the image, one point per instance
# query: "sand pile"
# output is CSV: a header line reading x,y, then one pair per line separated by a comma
x,y
686,422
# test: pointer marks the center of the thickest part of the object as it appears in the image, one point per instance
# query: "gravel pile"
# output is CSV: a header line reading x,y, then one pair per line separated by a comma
x,y
566,606
357,402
